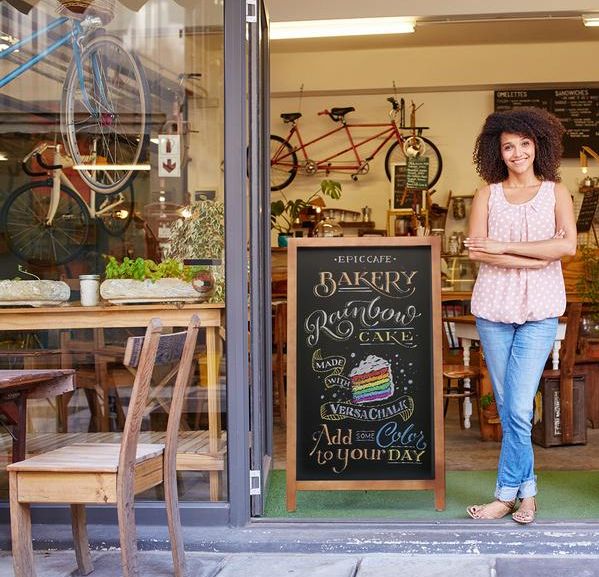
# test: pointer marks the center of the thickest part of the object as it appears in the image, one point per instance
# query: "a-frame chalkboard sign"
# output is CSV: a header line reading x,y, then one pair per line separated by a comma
x,y
364,366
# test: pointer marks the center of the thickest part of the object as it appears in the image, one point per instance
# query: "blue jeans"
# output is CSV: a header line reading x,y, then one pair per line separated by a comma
x,y
515,356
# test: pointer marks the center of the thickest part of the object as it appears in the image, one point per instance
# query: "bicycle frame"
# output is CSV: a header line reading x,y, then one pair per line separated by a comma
x,y
389,132
72,38
58,177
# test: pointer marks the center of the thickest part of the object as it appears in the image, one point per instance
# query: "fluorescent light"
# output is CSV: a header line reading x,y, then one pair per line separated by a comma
x,y
3,156
341,27
109,167
590,19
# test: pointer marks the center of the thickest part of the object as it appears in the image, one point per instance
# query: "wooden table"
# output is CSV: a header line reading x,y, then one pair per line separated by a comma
x,y
74,316
465,330
19,385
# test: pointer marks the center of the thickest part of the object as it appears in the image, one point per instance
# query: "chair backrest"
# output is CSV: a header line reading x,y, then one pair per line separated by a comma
x,y
145,353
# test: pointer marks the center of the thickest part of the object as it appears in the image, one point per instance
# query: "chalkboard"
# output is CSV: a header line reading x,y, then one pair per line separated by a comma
x,y
587,210
417,175
364,365
577,108
401,197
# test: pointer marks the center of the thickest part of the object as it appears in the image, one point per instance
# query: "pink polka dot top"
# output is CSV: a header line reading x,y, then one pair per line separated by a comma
x,y
517,295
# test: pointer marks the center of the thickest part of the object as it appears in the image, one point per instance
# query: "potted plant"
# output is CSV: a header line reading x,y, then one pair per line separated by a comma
x,y
284,213
143,280
490,424
200,234
33,291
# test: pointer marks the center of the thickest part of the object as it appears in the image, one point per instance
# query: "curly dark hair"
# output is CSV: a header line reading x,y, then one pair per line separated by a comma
x,y
545,130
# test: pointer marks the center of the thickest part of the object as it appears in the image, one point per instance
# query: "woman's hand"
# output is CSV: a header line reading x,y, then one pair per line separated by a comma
x,y
487,245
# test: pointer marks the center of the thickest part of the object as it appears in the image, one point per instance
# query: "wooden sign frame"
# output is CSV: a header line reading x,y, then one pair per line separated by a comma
x,y
437,482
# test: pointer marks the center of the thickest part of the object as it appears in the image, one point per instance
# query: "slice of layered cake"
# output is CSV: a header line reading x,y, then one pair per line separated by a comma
x,y
371,380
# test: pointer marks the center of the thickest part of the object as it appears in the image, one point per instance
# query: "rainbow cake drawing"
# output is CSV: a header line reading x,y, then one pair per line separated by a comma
x,y
371,380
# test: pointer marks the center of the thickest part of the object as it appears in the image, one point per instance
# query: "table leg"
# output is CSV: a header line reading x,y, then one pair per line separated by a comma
x,y
214,425
467,402
20,430
555,355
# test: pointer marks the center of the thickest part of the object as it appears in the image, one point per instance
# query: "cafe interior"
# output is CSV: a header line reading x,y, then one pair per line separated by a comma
x,y
444,75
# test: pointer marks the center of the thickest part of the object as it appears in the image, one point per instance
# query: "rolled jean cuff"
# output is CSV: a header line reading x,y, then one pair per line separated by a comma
x,y
506,493
526,489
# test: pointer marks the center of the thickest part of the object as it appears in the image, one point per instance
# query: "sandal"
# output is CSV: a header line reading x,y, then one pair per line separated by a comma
x,y
526,516
482,511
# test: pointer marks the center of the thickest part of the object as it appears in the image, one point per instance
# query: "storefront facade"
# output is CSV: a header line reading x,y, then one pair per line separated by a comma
x,y
206,90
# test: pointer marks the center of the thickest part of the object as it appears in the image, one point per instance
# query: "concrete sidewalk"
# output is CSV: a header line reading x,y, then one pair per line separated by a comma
x,y
159,564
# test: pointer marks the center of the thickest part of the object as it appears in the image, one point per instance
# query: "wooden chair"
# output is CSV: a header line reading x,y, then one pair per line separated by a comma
x,y
88,473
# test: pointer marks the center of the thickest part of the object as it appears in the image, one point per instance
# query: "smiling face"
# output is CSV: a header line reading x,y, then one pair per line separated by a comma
x,y
518,152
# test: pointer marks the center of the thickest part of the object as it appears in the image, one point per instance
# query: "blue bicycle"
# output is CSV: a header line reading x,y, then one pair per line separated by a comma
x,y
104,113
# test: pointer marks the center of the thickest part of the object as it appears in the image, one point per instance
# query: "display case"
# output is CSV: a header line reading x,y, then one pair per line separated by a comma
x,y
458,272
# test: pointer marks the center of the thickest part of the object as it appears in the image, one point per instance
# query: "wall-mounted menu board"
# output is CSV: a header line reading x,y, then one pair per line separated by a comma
x,y
365,399
577,108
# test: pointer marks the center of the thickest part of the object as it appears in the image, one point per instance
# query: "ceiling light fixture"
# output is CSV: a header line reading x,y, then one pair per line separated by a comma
x,y
341,27
590,19
111,167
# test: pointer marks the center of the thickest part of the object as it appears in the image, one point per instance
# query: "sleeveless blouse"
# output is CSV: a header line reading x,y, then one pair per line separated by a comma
x,y
517,295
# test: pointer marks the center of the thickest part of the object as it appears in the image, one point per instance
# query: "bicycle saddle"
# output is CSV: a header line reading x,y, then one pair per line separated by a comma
x,y
291,116
338,113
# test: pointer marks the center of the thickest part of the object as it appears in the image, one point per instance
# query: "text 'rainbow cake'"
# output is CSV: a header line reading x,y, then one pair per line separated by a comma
x,y
371,380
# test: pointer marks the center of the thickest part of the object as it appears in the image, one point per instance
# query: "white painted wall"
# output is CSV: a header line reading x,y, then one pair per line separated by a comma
x,y
457,86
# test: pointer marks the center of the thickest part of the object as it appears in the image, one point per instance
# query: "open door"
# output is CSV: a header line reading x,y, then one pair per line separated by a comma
x,y
260,293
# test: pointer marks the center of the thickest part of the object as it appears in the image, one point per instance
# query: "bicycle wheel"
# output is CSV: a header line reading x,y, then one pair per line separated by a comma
x,y
115,211
283,163
396,155
105,116
23,220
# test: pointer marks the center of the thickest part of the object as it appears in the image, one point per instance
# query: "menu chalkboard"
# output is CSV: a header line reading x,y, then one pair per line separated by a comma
x,y
401,197
587,211
364,362
577,108
417,176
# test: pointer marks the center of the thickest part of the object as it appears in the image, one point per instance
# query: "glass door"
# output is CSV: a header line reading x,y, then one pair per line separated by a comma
x,y
260,299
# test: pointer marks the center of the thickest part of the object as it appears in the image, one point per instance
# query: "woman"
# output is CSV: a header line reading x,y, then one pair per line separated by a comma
x,y
521,224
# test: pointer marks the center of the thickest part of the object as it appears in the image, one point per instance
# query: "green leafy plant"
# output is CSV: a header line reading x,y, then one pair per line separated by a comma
x,y
142,269
283,213
486,401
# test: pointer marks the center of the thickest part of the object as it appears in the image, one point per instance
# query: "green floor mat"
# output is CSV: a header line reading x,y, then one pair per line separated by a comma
x,y
562,495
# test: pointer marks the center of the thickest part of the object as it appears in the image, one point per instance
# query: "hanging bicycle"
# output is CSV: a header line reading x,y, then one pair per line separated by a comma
x,y
285,164
104,113
47,222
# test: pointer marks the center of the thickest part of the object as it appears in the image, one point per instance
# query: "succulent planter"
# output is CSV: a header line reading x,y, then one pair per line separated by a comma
x,y
34,293
123,291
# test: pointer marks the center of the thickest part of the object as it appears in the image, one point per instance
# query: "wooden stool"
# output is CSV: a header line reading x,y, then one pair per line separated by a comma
x,y
453,387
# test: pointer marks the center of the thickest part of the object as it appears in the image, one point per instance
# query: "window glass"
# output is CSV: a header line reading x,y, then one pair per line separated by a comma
x,y
111,148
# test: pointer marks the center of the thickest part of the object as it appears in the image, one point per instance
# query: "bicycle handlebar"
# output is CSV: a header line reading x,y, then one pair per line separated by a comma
x,y
37,152
393,102
41,162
